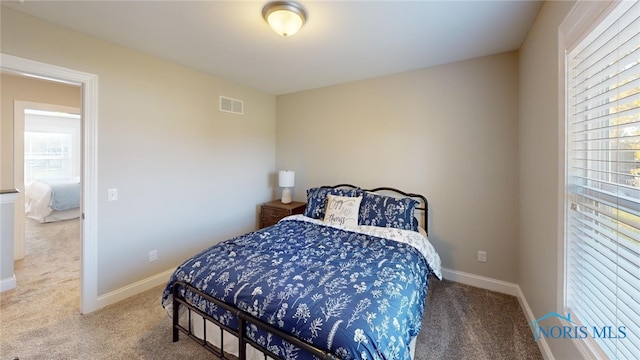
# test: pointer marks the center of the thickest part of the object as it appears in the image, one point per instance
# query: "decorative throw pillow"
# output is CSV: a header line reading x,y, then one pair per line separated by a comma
x,y
317,200
387,211
342,210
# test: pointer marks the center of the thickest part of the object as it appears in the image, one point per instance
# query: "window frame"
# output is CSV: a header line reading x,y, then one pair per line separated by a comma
x,y
65,158
53,119
583,18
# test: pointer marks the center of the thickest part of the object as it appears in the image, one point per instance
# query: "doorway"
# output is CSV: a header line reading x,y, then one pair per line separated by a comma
x,y
89,89
54,120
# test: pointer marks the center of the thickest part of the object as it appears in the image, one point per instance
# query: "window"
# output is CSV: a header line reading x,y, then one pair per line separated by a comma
x,y
602,237
51,145
46,155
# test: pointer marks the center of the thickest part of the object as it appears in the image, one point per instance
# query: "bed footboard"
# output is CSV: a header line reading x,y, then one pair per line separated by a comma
x,y
243,319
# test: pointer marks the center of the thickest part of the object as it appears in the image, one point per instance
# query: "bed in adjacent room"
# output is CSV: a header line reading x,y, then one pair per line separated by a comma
x,y
347,279
49,200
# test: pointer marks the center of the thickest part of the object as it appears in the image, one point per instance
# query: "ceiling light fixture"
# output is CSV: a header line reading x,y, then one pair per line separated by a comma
x,y
284,17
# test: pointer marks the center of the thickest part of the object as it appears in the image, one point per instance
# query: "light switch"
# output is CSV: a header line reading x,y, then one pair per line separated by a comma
x,y
112,195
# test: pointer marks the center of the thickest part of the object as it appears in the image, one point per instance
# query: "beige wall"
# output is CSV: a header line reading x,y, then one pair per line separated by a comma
x,y
26,89
540,215
188,175
449,132
478,137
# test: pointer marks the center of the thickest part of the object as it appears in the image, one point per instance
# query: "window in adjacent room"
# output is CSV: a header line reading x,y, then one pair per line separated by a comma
x,y
51,145
602,258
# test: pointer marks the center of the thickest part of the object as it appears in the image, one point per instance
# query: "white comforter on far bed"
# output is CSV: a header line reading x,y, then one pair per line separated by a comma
x,y
53,200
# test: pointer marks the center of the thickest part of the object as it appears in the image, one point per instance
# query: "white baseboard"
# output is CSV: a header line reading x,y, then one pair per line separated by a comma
x,y
542,341
481,282
135,288
501,287
8,284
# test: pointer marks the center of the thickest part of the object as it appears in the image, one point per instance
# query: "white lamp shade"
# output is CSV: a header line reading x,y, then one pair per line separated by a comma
x,y
286,178
284,17
285,22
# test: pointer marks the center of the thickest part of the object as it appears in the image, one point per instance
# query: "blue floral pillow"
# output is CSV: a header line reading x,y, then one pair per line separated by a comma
x,y
387,211
317,200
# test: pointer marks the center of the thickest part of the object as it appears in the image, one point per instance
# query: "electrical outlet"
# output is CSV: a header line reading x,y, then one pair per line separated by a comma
x,y
482,256
153,255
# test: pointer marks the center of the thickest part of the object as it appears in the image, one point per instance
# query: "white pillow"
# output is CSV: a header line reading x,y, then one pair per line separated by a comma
x,y
342,211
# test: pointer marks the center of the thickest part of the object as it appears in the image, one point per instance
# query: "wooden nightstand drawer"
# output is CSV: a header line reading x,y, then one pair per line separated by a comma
x,y
274,211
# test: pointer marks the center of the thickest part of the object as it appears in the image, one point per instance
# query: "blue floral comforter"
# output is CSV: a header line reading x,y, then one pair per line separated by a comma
x,y
358,293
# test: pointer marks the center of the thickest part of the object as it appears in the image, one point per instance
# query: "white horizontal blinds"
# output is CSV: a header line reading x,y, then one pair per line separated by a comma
x,y
603,211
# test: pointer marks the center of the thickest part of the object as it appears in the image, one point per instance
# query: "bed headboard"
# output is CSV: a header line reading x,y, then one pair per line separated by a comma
x,y
423,205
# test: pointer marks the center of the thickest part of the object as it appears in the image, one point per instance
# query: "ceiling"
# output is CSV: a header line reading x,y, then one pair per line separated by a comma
x,y
342,41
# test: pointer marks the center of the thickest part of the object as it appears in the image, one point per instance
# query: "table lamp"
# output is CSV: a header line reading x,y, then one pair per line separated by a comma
x,y
286,179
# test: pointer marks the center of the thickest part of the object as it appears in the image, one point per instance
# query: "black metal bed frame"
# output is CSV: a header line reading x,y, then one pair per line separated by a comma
x,y
244,318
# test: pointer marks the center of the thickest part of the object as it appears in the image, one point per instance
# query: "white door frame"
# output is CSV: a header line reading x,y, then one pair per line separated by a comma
x,y
89,167
19,108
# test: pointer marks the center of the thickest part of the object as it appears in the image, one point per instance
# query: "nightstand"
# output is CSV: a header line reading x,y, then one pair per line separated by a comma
x,y
273,211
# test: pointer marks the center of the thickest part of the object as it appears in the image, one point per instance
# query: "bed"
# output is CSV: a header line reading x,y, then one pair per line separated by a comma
x,y
346,280
49,200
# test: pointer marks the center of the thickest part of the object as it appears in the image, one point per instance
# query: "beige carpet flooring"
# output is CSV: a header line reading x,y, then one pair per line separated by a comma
x,y
40,318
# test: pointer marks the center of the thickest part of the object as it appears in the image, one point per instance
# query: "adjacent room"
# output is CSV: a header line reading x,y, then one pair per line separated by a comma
x,y
376,179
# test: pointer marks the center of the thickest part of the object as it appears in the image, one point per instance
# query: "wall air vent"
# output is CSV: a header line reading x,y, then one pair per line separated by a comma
x,y
230,105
